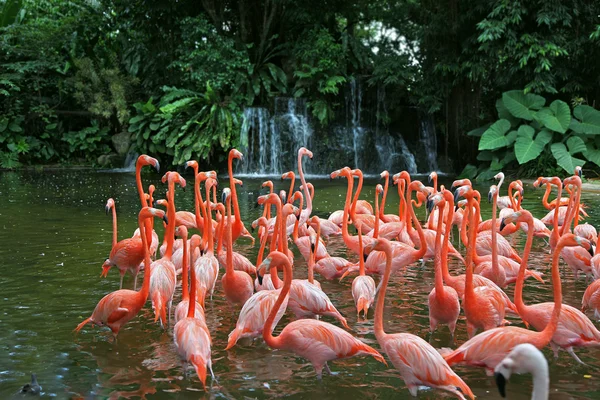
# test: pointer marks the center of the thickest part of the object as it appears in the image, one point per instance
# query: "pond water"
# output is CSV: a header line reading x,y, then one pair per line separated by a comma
x,y
55,236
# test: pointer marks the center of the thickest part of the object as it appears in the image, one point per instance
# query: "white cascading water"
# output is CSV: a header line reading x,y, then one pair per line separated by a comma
x,y
429,141
357,130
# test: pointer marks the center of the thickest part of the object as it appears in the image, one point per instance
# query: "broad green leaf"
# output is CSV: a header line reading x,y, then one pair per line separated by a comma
x,y
485,155
3,124
576,145
557,117
526,148
564,159
175,106
592,154
511,137
587,120
503,113
15,127
544,136
494,137
469,172
522,105
487,174
477,132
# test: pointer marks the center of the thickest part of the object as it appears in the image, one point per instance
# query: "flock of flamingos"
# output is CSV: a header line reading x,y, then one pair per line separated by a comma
x,y
385,245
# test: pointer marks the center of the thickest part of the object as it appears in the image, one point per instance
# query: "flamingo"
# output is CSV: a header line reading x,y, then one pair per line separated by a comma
x,y
303,243
238,228
444,306
141,162
117,308
363,286
164,275
417,361
382,216
329,267
192,338
304,214
362,221
237,285
523,359
126,254
574,328
292,177
591,298
489,348
484,306
317,341
181,309
388,230
269,282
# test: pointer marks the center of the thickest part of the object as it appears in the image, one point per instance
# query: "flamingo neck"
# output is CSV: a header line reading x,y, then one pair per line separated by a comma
x,y
282,259
220,233
361,258
423,244
236,207
384,198
208,224
185,295
114,222
292,183
144,203
170,231
377,212
192,295
345,233
439,281
304,187
545,198
547,333
495,266
469,288
356,195
463,225
521,307
555,229
229,255
444,261
143,293
198,204
379,332
541,381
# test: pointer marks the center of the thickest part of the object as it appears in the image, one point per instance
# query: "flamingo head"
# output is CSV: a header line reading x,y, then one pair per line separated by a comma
x,y
313,241
303,151
346,172
523,359
181,231
234,153
460,182
210,182
226,195
379,189
283,196
357,172
579,171
571,240
433,175
492,193
539,181
191,164
517,217
288,175
274,259
462,191
434,201
161,203
109,204
106,267
238,182
384,175
147,160
149,212
380,244
267,184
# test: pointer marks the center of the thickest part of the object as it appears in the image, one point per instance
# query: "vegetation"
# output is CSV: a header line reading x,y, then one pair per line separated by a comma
x,y
82,80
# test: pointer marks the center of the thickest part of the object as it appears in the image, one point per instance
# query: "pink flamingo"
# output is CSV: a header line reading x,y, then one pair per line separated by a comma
x,y
444,306
489,348
382,216
192,339
304,214
238,225
237,285
362,221
182,308
574,328
363,286
117,308
164,275
417,361
126,254
317,341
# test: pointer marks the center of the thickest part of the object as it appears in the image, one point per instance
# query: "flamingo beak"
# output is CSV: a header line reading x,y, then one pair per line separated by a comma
x,y
429,205
489,197
157,166
456,196
107,209
105,269
580,172
591,251
165,219
501,383
223,197
502,224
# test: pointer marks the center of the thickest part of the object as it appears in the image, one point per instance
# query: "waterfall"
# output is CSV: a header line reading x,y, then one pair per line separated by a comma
x,y
254,142
394,155
357,131
428,141
130,160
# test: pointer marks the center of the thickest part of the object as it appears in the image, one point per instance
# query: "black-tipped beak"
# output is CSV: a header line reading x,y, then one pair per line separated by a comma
x,y
223,198
298,217
201,252
186,166
580,172
591,251
107,209
521,192
456,196
183,187
489,197
501,383
453,188
456,208
252,228
502,225
429,179
166,219
157,166
429,205
365,256
284,199
259,277
312,247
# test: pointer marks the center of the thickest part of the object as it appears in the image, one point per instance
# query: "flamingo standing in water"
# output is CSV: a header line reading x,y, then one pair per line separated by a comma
x,y
164,274
417,361
524,359
126,254
141,162
329,267
317,341
304,214
182,308
363,286
362,221
117,308
192,338
574,328
238,228
237,285
489,348
444,306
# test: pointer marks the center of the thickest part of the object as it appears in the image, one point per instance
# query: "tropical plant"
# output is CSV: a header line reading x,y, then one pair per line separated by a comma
x,y
527,128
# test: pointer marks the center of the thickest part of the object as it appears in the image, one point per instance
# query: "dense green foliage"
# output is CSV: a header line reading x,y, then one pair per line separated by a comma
x,y
82,79
527,128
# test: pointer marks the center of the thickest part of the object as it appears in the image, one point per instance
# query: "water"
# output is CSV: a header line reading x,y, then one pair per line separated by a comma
x,y
428,141
55,236
354,106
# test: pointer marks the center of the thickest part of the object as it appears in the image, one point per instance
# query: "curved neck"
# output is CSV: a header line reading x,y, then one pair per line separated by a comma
x,y
144,203
220,232
185,295
521,275
566,227
292,183
547,333
198,204
377,211
439,281
147,262
555,229
361,258
435,178
287,283
208,228
463,225
449,218
356,195
192,296
379,332
114,219
236,207
304,186
401,205
469,288
261,250
311,263
384,198
546,195
345,233
170,231
229,256
541,380
423,243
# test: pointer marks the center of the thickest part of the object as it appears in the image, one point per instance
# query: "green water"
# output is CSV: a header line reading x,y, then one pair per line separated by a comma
x,y
55,236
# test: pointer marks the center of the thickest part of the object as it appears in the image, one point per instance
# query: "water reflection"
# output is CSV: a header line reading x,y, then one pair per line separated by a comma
x,y
55,236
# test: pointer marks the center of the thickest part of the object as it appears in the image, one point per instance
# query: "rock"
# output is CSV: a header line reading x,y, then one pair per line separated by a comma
x,y
121,142
107,160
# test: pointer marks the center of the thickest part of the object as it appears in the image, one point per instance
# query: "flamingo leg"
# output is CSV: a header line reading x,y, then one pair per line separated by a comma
x,y
572,353
135,282
327,369
121,284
